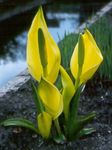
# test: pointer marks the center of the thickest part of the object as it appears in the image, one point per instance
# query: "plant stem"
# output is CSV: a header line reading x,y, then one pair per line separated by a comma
x,y
56,122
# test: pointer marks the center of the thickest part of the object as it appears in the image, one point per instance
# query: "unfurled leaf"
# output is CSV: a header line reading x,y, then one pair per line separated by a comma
x,y
51,98
44,121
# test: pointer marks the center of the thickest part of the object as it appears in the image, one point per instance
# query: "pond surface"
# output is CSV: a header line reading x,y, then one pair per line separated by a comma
x,y
61,18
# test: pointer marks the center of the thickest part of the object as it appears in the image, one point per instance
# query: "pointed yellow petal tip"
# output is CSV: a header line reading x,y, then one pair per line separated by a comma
x,y
51,98
44,121
51,50
92,58
90,36
68,90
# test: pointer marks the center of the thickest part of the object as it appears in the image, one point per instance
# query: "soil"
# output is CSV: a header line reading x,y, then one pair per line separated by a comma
x,y
96,97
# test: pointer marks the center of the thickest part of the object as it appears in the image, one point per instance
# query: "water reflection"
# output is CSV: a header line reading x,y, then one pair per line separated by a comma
x,y
68,23
60,18
10,70
13,60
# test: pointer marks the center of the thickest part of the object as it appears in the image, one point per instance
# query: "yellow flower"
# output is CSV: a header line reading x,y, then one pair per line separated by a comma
x,y
43,55
51,98
68,91
91,61
44,121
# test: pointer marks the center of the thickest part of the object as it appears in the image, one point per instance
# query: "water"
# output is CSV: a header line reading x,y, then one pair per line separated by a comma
x,y
13,61
60,18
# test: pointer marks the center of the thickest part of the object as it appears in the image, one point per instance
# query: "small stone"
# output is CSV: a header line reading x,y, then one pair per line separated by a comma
x,y
34,136
17,130
109,131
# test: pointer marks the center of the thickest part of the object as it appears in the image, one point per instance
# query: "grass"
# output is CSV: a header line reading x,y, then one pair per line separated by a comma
x,y
67,46
102,32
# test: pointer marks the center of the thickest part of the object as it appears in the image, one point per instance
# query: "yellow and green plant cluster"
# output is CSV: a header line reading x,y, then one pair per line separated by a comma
x,y
57,116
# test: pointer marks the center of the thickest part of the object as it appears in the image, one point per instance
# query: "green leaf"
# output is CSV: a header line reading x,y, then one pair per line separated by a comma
x,y
88,118
75,103
60,139
19,122
86,131
37,99
72,119
79,124
76,123
84,121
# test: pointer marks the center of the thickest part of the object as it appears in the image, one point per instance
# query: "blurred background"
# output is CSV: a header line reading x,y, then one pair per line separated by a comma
x,y
62,17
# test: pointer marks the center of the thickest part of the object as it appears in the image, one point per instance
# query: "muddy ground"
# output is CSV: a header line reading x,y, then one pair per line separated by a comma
x,y
96,97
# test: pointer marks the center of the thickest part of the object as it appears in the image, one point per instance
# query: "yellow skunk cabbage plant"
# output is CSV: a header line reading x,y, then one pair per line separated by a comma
x,y
57,116
43,54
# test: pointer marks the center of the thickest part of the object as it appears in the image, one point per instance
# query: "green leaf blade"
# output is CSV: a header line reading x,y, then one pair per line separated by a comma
x,y
19,122
37,99
86,132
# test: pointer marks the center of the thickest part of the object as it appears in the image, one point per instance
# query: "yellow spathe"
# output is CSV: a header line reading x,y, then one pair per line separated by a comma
x,y
44,121
68,91
51,98
52,51
92,58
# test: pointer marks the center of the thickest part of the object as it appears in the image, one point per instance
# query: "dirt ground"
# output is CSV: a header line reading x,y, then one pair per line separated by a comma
x,y
20,104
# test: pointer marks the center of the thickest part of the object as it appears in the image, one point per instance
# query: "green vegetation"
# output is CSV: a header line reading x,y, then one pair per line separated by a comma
x,y
58,117
67,46
102,32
